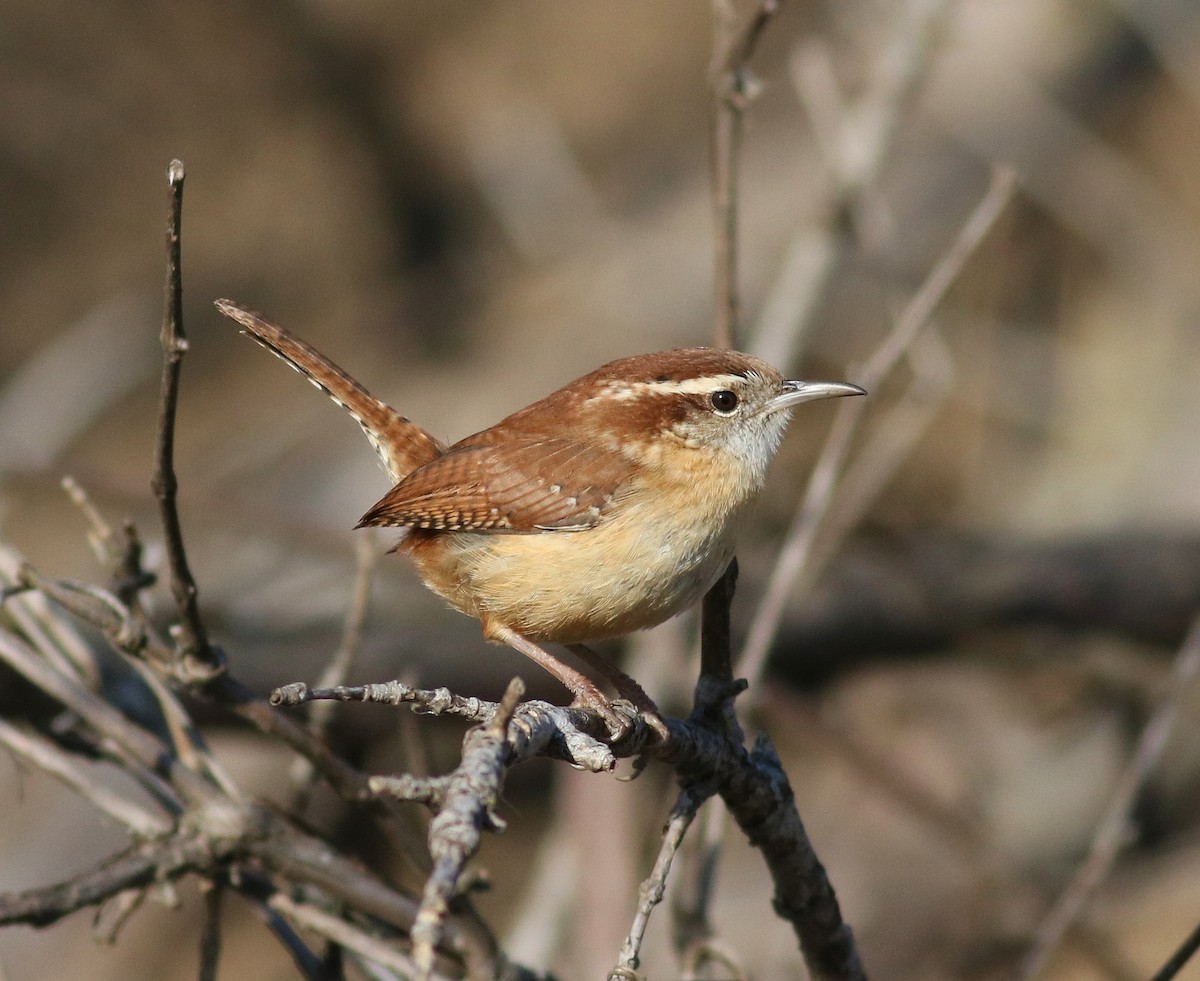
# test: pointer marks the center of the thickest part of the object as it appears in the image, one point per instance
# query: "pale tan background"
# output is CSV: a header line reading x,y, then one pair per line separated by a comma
x,y
467,205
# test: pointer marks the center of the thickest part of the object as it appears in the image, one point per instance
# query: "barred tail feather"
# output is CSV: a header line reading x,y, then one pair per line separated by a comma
x,y
402,445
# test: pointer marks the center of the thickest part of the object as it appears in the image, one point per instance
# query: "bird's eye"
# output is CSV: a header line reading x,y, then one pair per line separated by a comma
x,y
724,401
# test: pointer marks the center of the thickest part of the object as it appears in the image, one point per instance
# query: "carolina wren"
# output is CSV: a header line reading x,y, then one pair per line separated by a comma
x,y
606,507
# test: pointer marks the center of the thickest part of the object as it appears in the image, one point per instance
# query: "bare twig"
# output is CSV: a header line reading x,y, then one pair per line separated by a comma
x,y
467,808
715,692
143,755
197,659
561,732
691,919
116,911
39,623
1178,960
1112,834
366,562
49,758
856,141
258,890
210,938
128,632
709,952
134,869
734,41
760,800
794,565
892,441
338,930
321,712
708,755
651,892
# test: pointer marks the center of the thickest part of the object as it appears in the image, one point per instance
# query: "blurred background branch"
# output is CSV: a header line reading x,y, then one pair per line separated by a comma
x,y
476,206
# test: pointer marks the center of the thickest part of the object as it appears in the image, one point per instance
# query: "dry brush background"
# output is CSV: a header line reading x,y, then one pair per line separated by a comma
x,y
467,205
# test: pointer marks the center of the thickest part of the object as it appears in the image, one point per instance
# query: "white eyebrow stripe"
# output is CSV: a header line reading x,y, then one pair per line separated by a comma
x,y
622,391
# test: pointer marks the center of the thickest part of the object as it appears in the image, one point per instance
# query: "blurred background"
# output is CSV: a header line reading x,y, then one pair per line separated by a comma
x,y
468,205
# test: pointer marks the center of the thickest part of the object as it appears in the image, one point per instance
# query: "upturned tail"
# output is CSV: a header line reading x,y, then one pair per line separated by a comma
x,y
402,445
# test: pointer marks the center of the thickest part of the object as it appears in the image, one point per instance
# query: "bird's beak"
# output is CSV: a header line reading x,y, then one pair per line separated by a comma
x,y
794,392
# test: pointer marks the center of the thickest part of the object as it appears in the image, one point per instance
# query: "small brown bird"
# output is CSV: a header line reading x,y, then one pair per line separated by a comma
x,y
606,507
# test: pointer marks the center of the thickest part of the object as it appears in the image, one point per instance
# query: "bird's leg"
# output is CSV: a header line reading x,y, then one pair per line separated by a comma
x,y
587,695
626,687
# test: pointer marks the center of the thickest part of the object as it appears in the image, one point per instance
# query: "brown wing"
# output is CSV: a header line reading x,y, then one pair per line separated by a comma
x,y
513,484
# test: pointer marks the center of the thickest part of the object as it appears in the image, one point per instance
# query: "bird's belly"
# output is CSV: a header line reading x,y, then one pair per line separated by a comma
x,y
567,587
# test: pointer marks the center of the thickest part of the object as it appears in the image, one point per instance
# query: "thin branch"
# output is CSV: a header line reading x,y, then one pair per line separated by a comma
x,y
691,919
138,749
651,891
134,869
321,713
467,808
105,612
258,890
49,758
856,141
1178,960
889,446
793,566
115,911
560,732
709,951
1112,834
714,696
708,755
197,660
732,86
210,938
340,932
716,660
128,632
40,623
367,561
760,800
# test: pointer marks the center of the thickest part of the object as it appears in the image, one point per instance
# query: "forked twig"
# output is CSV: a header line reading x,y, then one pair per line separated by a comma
x,y
709,757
